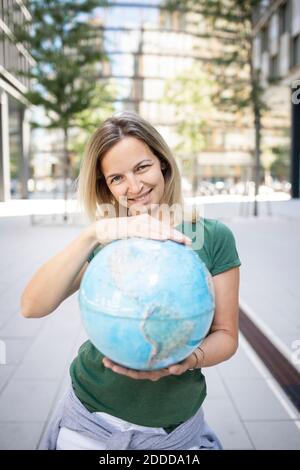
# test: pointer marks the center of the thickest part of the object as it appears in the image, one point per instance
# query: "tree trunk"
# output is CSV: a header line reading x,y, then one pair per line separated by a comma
x,y
255,97
194,168
257,125
66,173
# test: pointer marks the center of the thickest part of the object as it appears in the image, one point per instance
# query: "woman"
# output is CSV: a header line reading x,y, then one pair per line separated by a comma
x,y
127,177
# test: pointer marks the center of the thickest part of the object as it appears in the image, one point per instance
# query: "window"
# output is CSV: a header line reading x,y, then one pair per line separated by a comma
x,y
264,39
274,66
264,4
283,19
296,50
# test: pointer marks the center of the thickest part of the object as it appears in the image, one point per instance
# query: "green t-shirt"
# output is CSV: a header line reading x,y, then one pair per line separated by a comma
x,y
171,400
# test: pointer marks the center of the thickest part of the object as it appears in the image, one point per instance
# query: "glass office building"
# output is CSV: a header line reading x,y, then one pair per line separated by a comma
x,y
14,127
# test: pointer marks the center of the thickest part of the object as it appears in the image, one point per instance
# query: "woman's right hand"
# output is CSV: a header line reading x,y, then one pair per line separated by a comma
x,y
144,226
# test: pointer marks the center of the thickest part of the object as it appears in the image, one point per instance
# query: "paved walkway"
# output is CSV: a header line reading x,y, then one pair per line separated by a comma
x,y
244,405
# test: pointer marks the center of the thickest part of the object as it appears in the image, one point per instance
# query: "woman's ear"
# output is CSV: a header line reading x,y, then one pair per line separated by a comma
x,y
163,166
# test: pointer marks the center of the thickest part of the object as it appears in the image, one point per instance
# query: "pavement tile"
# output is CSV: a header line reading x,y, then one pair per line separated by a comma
x,y
6,372
271,288
49,353
254,400
274,435
5,316
16,349
27,400
214,383
224,420
17,326
239,367
20,435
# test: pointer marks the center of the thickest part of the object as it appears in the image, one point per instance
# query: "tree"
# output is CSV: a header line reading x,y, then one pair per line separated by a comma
x,y
190,93
231,22
88,120
65,47
279,167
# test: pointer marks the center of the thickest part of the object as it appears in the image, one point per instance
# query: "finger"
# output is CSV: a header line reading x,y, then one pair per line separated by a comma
x,y
127,372
162,232
159,374
180,238
180,368
145,375
132,373
176,370
115,367
135,374
187,241
170,235
109,363
142,375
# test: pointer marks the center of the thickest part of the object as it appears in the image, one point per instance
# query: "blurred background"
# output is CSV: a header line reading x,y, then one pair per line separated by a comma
x,y
220,80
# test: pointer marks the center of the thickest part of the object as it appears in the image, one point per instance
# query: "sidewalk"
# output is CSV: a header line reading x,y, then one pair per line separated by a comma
x,y
270,272
244,405
269,250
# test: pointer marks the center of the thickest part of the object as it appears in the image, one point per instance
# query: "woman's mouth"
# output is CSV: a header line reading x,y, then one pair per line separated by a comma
x,y
143,198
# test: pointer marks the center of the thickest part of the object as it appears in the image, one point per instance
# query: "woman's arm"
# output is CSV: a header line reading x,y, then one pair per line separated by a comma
x,y
58,278
61,275
222,341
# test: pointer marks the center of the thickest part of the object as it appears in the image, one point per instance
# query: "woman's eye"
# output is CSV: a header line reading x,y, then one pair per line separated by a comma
x,y
116,179
142,167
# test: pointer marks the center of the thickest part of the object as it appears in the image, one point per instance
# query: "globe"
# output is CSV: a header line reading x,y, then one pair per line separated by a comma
x,y
146,304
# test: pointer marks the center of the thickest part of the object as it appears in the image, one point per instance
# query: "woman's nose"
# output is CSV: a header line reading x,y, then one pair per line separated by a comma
x,y
134,185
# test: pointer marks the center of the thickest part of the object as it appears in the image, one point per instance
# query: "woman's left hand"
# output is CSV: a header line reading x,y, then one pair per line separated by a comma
x,y
153,375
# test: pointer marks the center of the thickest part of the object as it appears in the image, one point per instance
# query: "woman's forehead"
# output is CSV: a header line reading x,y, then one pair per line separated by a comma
x,y
125,155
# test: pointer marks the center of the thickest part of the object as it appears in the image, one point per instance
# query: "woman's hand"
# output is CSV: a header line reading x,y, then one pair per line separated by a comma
x,y
143,226
176,369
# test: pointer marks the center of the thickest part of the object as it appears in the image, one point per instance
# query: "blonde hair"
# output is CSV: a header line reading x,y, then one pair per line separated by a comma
x,y
92,188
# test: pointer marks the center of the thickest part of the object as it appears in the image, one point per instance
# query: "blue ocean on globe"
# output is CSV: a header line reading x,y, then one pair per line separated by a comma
x,y
146,304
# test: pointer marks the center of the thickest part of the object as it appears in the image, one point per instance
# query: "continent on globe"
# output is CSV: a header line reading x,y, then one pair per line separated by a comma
x,y
146,304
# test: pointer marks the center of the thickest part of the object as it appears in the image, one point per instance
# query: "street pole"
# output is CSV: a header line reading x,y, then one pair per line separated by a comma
x,y
257,161
295,140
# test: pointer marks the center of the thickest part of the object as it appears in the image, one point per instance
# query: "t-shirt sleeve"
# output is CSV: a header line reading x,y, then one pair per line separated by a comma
x,y
91,256
225,255
93,253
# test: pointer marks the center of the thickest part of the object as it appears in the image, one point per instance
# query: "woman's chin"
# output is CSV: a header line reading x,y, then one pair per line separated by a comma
x,y
138,208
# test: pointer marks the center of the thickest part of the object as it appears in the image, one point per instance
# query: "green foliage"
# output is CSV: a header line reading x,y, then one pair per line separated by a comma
x,y
65,47
88,120
190,93
280,167
230,10
231,22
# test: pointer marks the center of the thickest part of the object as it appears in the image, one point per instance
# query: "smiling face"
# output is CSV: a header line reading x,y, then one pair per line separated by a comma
x,y
131,170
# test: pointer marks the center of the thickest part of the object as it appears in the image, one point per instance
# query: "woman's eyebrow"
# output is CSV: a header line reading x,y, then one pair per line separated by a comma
x,y
137,164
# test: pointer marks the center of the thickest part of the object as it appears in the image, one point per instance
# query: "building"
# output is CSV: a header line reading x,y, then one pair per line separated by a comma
x,y
276,57
164,53
14,126
47,145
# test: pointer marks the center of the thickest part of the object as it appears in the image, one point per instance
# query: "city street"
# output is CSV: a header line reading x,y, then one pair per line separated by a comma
x,y
245,405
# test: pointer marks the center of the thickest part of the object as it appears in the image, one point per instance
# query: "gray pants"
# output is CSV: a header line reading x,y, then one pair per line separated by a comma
x,y
71,414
